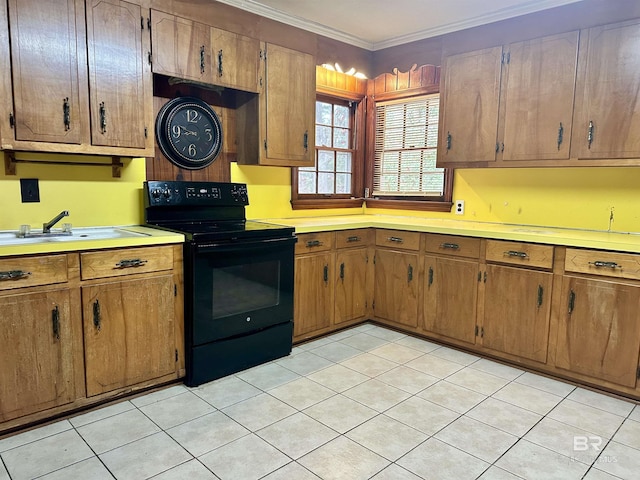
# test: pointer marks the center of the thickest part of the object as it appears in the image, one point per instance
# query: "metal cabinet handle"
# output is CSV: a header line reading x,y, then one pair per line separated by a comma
x,y
448,140
55,320
202,64
355,238
342,271
572,301
430,276
601,263
540,295
96,315
515,253
135,262
409,274
326,273
396,239
66,113
590,131
305,140
560,135
450,246
220,63
313,243
103,118
14,275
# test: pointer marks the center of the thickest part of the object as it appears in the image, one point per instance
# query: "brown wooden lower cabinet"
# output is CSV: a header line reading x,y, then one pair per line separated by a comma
x,y
313,293
599,329
396,286
350,287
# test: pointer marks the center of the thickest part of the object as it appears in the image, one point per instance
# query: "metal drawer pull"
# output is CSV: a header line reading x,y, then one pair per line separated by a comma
x,y
136,262
450,246
14,275
355,238
515,253
314,243
600,263
55,320
395,239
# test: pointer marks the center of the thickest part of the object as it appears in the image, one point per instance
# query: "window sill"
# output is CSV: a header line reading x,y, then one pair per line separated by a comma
x,y
424,205
326,203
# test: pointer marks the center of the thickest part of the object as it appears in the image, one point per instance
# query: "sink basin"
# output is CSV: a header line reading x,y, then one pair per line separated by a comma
x,y
78,234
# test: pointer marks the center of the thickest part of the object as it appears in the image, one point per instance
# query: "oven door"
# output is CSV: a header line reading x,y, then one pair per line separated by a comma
x,y
237,288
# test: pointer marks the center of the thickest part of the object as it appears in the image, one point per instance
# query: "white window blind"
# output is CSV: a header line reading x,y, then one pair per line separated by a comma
x,y
406,139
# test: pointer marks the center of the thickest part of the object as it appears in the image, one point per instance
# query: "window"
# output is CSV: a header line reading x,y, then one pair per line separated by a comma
x,y
335,177
406,139
332,173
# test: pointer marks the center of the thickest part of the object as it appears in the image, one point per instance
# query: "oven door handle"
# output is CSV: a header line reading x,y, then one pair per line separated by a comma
x,y
241,245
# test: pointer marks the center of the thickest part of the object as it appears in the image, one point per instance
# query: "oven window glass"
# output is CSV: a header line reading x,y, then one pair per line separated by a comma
x,y
245,288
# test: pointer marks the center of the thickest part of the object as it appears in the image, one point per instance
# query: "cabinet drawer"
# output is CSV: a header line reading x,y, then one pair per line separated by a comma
x,y
516,253
453,245
115,263
398,239
314,242
353,238
21,272
610,264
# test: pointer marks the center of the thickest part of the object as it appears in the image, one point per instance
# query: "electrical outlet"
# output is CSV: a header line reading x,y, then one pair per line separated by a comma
x,y
29,190
459,209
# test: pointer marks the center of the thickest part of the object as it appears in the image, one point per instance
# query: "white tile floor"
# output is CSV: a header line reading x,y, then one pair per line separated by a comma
x,y
363,403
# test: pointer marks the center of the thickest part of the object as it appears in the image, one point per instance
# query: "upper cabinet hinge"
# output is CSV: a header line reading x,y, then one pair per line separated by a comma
x,y
263,55
12,121
145,132
141,22
149,58
506,57
149,23
265,144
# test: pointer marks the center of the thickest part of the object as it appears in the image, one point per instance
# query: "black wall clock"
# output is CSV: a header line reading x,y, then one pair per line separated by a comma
x,y
189,132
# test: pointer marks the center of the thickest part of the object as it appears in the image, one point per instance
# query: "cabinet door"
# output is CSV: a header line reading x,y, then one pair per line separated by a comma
x,y
236,60
119,84
517,305
469,107
599,329
396,287
128,332
289,107
450,297
36,354
538,95
607,110
45,66
181,47
313,293
351,285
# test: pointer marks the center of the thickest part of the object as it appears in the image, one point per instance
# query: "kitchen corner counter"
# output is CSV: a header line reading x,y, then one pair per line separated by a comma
x,y
147,236
615,241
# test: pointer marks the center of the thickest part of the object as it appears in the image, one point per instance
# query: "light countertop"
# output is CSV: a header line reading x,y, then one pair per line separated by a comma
x,y
149,236
615,241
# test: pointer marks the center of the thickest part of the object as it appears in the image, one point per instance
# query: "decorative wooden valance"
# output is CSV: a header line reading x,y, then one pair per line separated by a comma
x,y
338,84
417,81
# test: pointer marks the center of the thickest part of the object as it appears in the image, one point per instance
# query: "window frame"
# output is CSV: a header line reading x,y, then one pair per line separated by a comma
x,y
311,201
442,203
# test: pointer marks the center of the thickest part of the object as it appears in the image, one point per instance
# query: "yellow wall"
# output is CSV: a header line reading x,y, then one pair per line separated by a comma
x,y
90,194
559,197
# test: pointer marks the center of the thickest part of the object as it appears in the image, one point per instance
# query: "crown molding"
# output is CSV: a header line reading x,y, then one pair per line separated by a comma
x,y
496,16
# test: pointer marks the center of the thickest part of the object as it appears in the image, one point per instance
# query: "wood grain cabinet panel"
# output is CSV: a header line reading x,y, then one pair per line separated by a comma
x,y
313,293
396,286
37,358
125,261
469,100
181,47
351,282
128,332
607,111
520,253
599,329
18,272
450,297
236,60
517,307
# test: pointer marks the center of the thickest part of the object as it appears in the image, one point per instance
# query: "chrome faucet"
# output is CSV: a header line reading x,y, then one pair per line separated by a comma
x,y
46,227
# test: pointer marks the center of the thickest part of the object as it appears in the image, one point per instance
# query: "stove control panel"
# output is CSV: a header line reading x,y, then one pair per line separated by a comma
x,y
174,193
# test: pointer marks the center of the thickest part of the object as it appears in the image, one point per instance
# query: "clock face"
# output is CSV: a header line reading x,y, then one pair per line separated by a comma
x,y
188,132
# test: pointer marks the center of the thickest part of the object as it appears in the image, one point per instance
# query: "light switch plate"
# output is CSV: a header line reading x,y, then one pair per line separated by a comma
x,y
29,190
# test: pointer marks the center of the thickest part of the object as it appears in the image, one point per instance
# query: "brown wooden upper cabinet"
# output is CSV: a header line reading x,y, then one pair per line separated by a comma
x,y
514,105
79,80
190,50
285,135
511,103
607,111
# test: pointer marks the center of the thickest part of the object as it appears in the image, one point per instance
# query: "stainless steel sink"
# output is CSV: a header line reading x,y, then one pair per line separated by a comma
x,y
77,234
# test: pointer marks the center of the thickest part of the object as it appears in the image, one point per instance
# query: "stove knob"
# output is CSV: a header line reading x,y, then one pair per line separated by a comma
x,y
166,193
156,192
